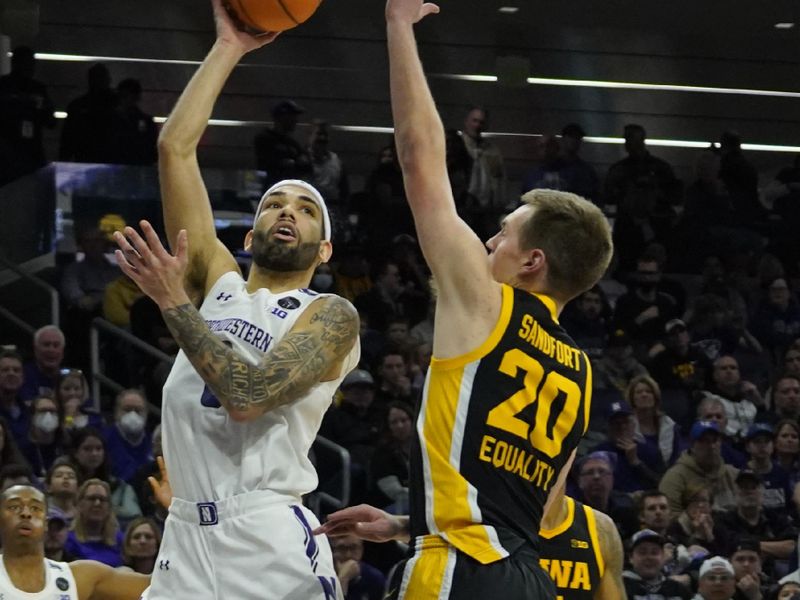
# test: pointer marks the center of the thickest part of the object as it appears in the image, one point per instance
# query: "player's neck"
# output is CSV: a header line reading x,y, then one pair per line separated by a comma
x,y
25,569
276,281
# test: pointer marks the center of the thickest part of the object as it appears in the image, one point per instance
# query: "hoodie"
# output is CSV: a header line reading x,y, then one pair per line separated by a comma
x,y
686,473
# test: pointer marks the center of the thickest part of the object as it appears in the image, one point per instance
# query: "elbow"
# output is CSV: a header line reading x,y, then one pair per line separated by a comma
x,y
416,151
170,143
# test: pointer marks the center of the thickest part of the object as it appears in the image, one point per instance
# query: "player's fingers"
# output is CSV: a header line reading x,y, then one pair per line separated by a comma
x,y
154,485
125,266
429,9
361,512
125,246
151,237
162,468
138,242
182,251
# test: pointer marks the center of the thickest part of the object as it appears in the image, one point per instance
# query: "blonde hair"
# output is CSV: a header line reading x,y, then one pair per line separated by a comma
x,y
126,557
574,236
649,382
111,525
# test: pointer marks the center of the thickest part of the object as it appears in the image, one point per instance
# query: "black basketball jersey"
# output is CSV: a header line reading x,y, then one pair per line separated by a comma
x,y
495,428
570,554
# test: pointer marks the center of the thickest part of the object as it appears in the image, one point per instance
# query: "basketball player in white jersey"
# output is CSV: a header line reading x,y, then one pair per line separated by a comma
x,y
25,573
259,364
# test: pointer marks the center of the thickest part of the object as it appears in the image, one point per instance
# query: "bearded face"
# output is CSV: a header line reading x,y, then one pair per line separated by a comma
x,y
272,254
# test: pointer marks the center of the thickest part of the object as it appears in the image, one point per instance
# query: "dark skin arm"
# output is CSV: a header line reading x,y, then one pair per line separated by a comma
x,y
96,581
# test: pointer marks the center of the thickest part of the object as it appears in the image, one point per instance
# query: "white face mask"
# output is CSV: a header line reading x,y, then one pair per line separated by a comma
x,y
47,422
322,282
132,423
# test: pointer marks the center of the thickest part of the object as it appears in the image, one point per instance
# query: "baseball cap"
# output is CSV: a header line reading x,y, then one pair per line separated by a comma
x,y
715,563
701,427
757,429
646,535
618,338
673,324
620,407
358,377
287,107
748,543
313,193
747,474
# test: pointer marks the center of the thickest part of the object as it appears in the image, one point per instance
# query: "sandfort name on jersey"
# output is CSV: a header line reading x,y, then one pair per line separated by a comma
x,y
539,338
244,330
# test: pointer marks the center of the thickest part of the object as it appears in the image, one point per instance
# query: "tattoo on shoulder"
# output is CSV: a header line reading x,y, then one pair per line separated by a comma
x,y
339,323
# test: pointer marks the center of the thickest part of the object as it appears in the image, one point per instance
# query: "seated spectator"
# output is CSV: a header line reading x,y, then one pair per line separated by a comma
x,y
140,545
660,434
740,398
791,360
352,274
748,519
88,452
398,336
714,323
13,410
645,578
617,366
696,528
278,153
72,395
700,464
711,408
359,580
387,297
760,445
680,365
717,581
596,489
751,581
654,512
95,531
44,442
40,375
395,385
776,322
632,472
389,467
788,589
586,318
785,399
127,440
328,174
15,474
9,451
61,486
418,368
56,536
787,447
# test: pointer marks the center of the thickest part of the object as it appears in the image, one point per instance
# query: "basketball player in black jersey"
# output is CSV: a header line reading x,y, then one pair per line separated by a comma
x,y
506,398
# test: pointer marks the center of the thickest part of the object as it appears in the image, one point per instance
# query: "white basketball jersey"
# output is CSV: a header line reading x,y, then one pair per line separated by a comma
x,y
59,584
209,456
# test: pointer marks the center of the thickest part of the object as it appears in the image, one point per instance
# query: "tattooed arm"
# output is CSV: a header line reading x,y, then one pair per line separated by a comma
x,y
312,351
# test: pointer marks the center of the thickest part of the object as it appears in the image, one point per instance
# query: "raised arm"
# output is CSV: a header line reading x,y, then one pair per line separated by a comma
x,y
185,199
96,581
454,253
313,350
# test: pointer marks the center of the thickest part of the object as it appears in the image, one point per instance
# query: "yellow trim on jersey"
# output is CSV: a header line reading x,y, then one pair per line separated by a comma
x,y
428,572
563,526
592,525
550,304
587,393
506,306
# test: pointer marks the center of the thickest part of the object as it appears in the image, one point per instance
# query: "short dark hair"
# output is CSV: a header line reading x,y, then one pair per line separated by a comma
x,y
631,127
649,494
13,471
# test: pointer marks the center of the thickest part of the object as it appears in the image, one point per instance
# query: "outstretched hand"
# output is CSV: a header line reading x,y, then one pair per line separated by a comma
x,y
232,32
158,273
409,11
162,490
366,522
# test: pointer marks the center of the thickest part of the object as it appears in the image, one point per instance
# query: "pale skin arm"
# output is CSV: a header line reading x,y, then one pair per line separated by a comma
x,y
185,199
366,522
312,351
454,253
96,581
611,586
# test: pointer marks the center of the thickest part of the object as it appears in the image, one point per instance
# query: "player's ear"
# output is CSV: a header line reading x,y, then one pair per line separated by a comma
x,y
534,261
325,251
248,241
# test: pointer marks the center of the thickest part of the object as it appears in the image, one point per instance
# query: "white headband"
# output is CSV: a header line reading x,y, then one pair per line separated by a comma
x,y
315,195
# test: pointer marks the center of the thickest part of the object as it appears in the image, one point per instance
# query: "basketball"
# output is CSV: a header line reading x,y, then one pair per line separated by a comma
x,y
273,15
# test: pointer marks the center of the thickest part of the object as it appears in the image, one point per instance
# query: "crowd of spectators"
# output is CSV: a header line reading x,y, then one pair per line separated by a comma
x,y
693,336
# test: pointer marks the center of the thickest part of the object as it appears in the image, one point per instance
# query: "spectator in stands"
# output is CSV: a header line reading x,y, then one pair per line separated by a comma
x,y
654,512
41,374
760,446
680,366
86,134
596,489
397,335
278,153
144,493
118,300
133,131
751,581
577,175
88,452
387,297
389,467
741,180
127,441
140,545
632,470
546,175
740,398
747,519
714,324
328,173
717,580
95,531
788,589
645,578
700,464
387,213
15,474
418,367
414,273
25,111
15,414
660,443
359,580
696,526
56,537
61,485
395,384
787,447
617,366
352,274
9,451
791,360
776,322
77,408
44,442
712,408
587,320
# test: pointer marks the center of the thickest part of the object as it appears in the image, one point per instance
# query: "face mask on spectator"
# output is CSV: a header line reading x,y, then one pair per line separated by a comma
x,y
132,423
322,282
46,422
